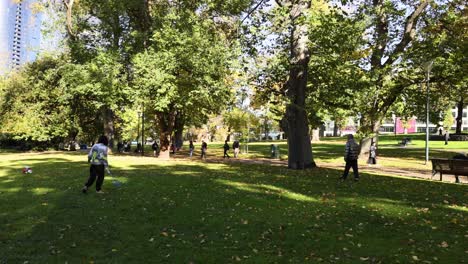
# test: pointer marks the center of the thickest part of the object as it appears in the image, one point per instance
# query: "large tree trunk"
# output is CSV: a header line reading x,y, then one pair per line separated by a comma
x,y
299,146
365,145
179,130
108,119
335,128
228,137
459,119
266,130
166,123
316,135
370,124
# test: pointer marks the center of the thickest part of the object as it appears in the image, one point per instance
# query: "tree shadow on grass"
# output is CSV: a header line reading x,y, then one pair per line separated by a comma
x,y
222,213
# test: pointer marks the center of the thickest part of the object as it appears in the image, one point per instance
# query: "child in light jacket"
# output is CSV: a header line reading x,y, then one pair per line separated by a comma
x,y
98,158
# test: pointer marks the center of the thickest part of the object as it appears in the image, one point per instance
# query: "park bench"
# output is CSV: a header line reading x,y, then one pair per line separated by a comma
x,y
404,142
457,167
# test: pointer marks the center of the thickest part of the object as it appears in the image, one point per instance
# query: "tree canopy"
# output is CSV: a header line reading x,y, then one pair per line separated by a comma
x,y
181,62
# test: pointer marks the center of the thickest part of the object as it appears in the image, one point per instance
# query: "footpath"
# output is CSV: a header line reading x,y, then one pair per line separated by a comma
x,y
374,169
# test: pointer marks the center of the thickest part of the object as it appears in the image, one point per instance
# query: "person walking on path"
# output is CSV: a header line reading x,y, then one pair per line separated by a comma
x,y
372,155
191,148
204,146
351,158
447,136
98,158
235,147
138,149
226,148
155,148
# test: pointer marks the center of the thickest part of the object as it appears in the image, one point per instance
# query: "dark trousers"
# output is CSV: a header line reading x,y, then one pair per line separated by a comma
x,y
226,154
203,153
96,170
349,164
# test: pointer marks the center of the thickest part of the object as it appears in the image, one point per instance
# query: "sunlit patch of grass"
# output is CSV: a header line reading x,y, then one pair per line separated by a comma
x,y
11,190
269,190
40,191
462,208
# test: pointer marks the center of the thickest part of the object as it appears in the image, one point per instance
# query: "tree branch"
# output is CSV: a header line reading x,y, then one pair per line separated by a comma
x,y
251,11
69,7
279,3
409,33
382,35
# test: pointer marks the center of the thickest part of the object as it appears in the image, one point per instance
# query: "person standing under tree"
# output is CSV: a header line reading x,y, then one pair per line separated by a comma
x,y
138,149
191,148
372,155
204,146
226,148
235,146
155,148
98,158
447,136
351,157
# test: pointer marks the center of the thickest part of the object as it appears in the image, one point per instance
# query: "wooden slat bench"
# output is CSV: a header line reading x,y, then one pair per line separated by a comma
x,y
404,142
457,167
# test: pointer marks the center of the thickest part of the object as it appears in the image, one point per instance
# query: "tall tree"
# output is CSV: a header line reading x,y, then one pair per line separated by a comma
x,y
393,28
291,20
182,75
446,40
368,47
299,147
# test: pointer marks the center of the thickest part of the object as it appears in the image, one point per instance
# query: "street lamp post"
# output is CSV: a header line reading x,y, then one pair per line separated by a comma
x,y
138,128
143,131
428,67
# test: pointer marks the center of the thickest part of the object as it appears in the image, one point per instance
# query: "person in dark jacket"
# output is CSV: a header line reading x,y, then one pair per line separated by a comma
x,y
191,148
235,147
226,148
351,157
155,148
204,146
120,147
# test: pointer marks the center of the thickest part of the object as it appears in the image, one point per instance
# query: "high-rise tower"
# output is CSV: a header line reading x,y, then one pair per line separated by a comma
x,y
20,33
16,47
5,51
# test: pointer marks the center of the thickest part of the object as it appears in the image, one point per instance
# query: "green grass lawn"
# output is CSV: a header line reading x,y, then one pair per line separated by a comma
x,y
196,212
331,150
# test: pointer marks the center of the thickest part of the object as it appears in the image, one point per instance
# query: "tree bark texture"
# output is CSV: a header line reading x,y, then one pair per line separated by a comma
x,y
179,129
69,7
365,145
109,131
166,122
299,146
335,128
228,137
459,119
